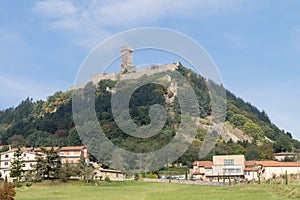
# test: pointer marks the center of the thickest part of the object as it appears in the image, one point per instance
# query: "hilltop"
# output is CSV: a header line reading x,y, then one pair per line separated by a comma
x,y
246,130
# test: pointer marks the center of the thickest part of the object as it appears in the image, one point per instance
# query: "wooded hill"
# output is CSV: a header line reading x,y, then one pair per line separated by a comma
x,y
247,131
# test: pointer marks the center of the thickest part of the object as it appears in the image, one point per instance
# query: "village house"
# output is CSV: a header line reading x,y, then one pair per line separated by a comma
x,y
251,171
6,159
282,155
71,154
114,175
222,167
201,169
272,169
235,167
227,167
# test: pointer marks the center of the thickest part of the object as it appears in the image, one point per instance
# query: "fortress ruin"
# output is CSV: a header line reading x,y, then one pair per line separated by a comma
x,y
128,70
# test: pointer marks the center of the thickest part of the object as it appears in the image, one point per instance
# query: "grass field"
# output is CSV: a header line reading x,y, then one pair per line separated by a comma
x,y
131,190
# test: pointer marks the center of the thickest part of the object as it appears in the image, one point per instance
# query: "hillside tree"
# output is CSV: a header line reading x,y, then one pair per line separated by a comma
x,y
16,165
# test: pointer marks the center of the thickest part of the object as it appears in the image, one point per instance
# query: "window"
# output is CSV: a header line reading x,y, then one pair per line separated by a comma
x,y
247,173
117,175
6,163
24,154
6,156
232,170
228,162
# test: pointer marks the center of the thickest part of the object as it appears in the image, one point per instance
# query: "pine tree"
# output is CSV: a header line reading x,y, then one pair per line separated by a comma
x,y
16,166
85,170
51,165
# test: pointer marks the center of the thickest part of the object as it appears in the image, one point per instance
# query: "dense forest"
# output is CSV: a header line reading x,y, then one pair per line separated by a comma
x,y
50,122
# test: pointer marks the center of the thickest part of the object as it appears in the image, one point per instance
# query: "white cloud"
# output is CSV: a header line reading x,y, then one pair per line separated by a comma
x,y
55,8
89,23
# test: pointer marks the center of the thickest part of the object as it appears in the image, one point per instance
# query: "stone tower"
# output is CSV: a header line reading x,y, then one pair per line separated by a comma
x,y
126,57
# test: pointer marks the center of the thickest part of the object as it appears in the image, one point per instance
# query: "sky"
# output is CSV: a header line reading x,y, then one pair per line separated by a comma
x,y
255,45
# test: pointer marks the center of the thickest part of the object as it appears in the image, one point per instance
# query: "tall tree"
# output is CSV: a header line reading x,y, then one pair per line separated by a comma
x,y
85,170
50,166
266,152
16,165
252,152
40,168
66,171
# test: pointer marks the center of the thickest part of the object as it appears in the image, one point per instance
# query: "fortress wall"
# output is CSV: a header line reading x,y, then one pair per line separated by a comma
x,y
76,87
149,72
111,76
133,75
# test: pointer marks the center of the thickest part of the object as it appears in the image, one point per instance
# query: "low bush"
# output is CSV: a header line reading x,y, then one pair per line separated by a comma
x,y
107,179
7,191
28,184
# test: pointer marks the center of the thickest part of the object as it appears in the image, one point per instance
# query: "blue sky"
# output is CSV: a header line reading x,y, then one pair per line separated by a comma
x,y
255,44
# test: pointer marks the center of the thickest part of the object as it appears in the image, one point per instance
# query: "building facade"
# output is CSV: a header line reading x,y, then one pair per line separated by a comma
x,y
114,175
235,167
222,168
282,155
71,154
28,158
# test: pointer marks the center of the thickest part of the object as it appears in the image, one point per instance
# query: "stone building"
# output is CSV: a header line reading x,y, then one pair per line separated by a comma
x,y
128,70
126,57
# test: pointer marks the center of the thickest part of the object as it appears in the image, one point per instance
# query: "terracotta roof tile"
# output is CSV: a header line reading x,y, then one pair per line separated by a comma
x,y
23,149
205,164
47,148
277,164
197,173
250,169
110,170
69,148
250,162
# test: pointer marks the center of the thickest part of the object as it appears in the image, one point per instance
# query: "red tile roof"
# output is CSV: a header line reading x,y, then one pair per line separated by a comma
x,y
68,148
197,173
277,164
250,162
72,148
47,148
205,164
23,149
250,169
110,171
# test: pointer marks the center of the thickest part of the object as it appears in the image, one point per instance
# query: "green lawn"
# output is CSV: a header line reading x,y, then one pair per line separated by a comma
x,y
140,190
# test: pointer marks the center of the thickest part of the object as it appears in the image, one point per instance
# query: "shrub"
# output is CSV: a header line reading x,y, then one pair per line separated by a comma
x,y
142,175
17,184
107,179
28,184
7,191
151,175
